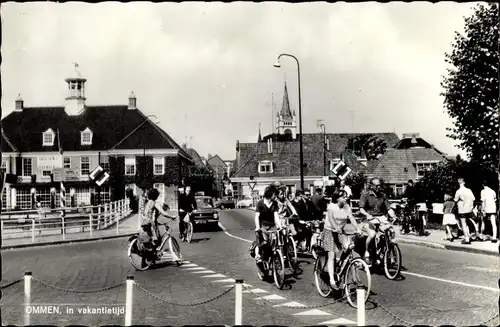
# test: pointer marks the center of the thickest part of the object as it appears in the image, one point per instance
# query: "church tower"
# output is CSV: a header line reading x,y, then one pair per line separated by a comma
x,y
75,100
286,123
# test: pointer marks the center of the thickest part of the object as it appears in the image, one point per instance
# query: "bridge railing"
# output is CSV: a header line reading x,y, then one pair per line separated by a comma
x,y
44,222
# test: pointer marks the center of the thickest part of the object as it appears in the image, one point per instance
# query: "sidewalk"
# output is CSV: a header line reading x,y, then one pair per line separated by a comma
x,y
126,227
436,239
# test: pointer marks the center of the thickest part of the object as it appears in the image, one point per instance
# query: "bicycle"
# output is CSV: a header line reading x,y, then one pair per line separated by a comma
x,y
344,268
188,229
316,227
289,247
148,257
275,261
385,247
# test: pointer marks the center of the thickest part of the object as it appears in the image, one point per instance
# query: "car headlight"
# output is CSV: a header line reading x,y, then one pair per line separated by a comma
x,y
216,215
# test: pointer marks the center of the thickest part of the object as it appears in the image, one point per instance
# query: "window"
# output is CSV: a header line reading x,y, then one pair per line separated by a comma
x,y
399,190
423,167
129,166
27,167
86,137
84,166
23,198
104,163
3,168
48,138
159,166
67,162
105,195
46,172
265,167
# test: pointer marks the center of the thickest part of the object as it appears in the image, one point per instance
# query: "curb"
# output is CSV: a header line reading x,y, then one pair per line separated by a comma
x,y
421,243
20,246
446,247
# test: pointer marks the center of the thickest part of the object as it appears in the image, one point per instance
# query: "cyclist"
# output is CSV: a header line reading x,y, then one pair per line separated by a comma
x,y
373,204
187,204
304,233
266,219
152,210
285,207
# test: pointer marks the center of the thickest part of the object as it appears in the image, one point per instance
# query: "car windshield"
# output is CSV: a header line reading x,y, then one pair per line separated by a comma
x,y
247,198
204,203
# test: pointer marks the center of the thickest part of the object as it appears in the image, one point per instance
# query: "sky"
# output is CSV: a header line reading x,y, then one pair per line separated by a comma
x,y
206,69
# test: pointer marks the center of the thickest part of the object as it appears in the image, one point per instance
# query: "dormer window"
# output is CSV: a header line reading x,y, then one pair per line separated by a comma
x,y
86,137
48,137
266,167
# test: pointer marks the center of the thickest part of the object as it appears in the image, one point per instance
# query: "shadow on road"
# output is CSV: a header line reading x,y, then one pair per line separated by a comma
x,y
198,240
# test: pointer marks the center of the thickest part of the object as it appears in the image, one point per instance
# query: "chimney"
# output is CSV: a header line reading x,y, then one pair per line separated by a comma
x,y
270,145
184,145
19,103
209,156
132,102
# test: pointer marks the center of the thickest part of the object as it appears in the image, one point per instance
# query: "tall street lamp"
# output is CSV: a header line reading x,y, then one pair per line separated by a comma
x,y
323,128
278,65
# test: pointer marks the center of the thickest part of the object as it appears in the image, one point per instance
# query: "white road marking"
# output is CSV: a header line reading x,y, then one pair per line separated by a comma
x,y
454,282
313,312
195,268
229,280
483,269
290,304
270,297
203,272
255,290
214,276
230,235
189,265
339,321
406,272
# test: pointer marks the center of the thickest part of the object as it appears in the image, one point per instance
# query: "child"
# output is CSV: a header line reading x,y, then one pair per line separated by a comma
x,y
448,216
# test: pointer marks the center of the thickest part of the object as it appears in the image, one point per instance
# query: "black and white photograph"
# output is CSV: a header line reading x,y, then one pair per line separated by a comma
x,y
250,163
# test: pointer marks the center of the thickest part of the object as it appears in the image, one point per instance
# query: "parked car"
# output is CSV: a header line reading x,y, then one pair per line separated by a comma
x,y
205,214
246,202
226,202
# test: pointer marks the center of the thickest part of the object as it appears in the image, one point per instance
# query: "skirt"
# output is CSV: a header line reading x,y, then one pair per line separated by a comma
x,y
334,242
449,219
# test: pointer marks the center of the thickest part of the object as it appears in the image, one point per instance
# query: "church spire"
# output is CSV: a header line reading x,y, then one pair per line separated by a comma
x,y
285,108
260,135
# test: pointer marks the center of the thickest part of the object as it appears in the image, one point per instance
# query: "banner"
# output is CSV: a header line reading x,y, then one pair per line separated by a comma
x,y
49,162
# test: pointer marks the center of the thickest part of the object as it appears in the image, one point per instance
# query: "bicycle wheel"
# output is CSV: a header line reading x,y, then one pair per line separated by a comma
x,y
133,252
291,253
189,232
321,277
278,269
357,274
392,261
175,250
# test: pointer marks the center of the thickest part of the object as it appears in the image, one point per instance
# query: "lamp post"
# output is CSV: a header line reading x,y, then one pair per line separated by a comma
x,y
323,128
278,65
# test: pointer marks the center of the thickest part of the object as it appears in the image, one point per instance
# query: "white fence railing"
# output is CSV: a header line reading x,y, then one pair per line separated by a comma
x,y
33,223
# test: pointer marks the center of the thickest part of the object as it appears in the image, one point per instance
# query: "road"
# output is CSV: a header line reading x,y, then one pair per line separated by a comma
x,y
438,286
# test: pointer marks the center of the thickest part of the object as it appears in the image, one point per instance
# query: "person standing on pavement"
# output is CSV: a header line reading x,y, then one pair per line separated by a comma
x,y
465,203
449,218
303,232
187,205
489,208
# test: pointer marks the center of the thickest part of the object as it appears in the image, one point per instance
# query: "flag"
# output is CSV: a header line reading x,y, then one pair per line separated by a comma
x,y
62,195
59,142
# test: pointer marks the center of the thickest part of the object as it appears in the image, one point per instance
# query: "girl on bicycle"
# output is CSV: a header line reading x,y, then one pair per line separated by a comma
x,y
152,210
335,242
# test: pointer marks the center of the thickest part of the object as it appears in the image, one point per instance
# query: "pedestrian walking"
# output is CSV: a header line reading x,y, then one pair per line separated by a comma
x,y
449,219
465,203
489,210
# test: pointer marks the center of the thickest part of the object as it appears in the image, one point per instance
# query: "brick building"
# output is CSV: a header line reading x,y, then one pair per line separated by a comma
x,y
275,157
119,138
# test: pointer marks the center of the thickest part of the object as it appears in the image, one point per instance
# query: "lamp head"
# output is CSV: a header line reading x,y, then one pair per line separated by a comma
x,y
277,64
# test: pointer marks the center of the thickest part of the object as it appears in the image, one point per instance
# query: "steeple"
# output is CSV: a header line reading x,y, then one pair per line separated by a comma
x,y
75,100
260,135
287,122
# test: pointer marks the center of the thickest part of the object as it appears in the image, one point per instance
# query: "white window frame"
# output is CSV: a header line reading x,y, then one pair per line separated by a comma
x,y
158,162
67,165
104,162
423,166
47,133
399,187
266,163
24,166
130,162
81,166
3,168
86,132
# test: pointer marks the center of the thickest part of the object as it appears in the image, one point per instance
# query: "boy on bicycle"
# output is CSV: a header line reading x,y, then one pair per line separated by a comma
x,y
335,242
152,210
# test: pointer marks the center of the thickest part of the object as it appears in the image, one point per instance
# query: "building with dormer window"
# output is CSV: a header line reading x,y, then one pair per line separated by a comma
x,y
275,157
45,146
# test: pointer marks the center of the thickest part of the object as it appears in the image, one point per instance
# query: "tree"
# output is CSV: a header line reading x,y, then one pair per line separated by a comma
x,y
202,180
356,182
471,87
368,144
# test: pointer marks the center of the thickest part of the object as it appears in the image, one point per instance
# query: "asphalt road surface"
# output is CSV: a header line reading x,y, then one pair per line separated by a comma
x,y
438,286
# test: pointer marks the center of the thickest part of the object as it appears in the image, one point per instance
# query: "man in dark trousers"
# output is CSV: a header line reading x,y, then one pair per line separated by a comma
x,y
187,204
318,204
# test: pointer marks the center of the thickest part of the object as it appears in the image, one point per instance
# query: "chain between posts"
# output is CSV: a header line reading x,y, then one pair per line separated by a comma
x,y
298,307
184,304
11,284
75,291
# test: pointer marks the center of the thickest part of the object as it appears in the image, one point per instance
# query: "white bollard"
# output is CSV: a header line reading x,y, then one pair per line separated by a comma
x,y
90,224
238,303
63,228
27,298
128,301
117,217
33,230
360,296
